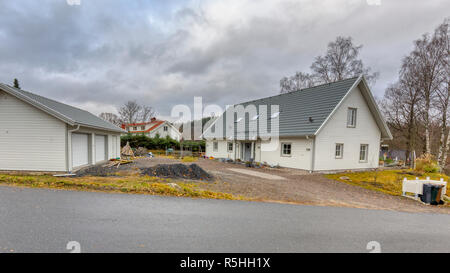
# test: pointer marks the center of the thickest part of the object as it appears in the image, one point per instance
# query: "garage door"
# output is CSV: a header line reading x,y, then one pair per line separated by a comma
x,y
100,148
80,150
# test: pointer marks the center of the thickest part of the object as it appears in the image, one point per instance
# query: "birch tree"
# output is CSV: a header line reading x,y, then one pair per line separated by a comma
x,y
341,61
425,63
441,40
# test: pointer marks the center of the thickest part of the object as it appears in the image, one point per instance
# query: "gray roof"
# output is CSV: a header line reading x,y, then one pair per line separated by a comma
x,y
303,112
67,113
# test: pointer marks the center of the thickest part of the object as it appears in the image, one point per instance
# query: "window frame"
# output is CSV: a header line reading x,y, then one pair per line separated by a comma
x,y
228,147
215,146
352,110
282,149
166,128
366,153
341,156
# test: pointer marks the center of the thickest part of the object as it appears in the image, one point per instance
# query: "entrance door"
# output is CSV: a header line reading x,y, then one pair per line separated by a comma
x,y
247,151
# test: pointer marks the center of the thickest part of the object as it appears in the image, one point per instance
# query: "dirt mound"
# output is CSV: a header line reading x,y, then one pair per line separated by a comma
x,y
193,171
97,171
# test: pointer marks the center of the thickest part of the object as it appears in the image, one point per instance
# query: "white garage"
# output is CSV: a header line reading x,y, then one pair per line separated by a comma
x,y
40,134
100,148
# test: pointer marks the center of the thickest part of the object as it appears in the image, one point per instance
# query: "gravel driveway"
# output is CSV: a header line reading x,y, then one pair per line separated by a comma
x,y
293,186
302,187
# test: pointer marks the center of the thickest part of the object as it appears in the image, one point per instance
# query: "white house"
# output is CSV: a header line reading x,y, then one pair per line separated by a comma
x,y
40,134
155,127
335,126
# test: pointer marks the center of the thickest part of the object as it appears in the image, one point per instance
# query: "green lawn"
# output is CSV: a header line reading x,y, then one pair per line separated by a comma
x,y
386,181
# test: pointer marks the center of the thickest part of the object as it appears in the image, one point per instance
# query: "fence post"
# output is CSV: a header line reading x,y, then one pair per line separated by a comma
x,y
404,180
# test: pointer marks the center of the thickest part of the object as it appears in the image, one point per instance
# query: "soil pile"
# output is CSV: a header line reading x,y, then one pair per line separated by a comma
x,y
193,172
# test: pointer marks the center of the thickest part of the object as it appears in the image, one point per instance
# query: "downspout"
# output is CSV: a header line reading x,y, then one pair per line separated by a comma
x,y
69,147
313,153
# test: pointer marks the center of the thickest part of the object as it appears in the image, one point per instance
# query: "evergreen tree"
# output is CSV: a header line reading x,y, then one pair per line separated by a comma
x,y
16,83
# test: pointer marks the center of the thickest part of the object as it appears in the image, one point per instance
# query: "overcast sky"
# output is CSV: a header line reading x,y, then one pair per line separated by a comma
x,y
103,52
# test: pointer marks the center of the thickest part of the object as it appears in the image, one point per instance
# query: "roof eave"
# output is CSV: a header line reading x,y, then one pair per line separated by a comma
x,y
38,105
100,128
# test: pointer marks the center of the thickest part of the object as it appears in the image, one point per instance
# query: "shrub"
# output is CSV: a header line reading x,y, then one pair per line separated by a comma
x,y
156,143
426,163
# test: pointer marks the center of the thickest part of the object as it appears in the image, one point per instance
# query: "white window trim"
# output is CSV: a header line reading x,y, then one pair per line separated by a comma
x,y
342,151
282,149
228,147
350,109
366,153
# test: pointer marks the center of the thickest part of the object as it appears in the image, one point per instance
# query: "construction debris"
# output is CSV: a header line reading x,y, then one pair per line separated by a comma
x,y
117,163
127,151
141,151
193,172
109,169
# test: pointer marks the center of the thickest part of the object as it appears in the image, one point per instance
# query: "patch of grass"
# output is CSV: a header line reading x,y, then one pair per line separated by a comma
x,y
188,159
386,181
168,156
129,184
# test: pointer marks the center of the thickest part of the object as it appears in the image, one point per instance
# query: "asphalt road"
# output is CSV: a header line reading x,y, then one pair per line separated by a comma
x,y
36,220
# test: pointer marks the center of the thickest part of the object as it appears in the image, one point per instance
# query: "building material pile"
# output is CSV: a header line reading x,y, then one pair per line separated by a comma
x,y
127,151
193,172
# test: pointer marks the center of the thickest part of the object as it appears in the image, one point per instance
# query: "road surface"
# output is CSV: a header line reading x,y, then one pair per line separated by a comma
x,y
39,220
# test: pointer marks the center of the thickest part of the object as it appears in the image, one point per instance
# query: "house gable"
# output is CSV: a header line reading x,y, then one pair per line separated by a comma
x,y
335,131
20,122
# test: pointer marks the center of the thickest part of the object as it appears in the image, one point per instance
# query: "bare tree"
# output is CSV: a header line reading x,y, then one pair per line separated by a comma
x,y
130,111
299,81
441,39
112,118
340,62
146,113
425,62
400,108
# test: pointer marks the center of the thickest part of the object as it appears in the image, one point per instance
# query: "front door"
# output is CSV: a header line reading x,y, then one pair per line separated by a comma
x,y
247,151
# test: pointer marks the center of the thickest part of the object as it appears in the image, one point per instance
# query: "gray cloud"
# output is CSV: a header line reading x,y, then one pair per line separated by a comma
x,y
164,53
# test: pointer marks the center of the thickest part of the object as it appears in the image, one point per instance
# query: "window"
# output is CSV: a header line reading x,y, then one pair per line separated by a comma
x,y
143,128
351,118
134,128
339,150
166,128
230,146
363,152
215,146
286,149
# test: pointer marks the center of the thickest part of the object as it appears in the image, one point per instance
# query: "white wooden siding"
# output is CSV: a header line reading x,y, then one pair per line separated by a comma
x,y
300,154
299,159
29,138
336,131
171,132
222,151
